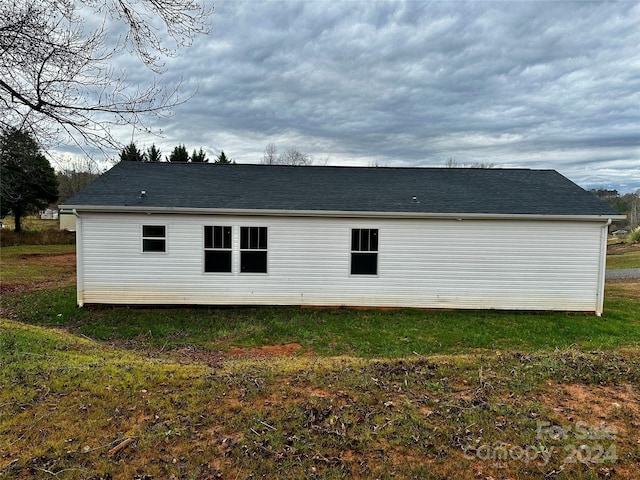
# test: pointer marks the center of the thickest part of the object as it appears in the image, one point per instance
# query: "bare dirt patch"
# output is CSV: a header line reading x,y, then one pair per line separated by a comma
x,y
61,268
267,350
594,404
200,355
622,248
61,260
66,281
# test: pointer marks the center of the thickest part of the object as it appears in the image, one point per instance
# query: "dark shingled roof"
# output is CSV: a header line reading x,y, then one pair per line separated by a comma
x,y
343,189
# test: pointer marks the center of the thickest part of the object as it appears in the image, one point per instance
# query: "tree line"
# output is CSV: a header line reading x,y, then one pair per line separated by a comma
x,y
628,204
179,154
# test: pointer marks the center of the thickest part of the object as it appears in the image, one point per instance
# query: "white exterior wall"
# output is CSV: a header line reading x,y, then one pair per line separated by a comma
x,y
502,264
67,221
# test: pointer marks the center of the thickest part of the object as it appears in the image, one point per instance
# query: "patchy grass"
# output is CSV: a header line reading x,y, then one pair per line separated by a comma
x,y
305,393
623,255
564,414
61,393
30,266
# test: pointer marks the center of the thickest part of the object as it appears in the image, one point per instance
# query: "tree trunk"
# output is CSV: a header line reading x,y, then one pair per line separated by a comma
x,y
634,213
17,214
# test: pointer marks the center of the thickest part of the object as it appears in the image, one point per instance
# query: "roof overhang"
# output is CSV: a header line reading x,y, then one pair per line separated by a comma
x,y
337,213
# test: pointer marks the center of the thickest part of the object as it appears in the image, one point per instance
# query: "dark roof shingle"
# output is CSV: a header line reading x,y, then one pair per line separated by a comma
x,y
341,189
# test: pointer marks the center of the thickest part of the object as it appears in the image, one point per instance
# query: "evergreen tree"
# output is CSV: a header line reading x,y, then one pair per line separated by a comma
x,y
130,153
199,157
179,154
222,158
28,180
153,154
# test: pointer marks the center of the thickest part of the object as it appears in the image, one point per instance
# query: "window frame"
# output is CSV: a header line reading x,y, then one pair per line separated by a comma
x,y
226,249
361,248
246,248
163,238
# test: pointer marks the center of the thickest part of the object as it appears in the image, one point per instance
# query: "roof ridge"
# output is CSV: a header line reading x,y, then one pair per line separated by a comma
x,y
344,167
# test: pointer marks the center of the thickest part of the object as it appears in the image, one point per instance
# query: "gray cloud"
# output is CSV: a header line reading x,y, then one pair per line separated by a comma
x,y
520,84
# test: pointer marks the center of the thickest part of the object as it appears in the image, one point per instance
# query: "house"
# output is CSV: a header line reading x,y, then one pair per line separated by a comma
x,y
67,220
49,214
163,233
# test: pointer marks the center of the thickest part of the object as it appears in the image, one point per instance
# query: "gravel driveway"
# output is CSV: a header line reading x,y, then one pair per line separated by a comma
x,y
623,273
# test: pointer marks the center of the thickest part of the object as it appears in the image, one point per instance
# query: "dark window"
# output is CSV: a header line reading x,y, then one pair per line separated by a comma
x,y
217,245
253,262
253,238
364,251
217,261
253,249
154,238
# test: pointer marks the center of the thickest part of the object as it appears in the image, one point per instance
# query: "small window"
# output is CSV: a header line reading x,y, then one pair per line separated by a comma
x,y
364,251
154,238
217,249
253,249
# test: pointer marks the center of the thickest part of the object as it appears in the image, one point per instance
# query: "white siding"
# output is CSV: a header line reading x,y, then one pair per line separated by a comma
x,y
421,263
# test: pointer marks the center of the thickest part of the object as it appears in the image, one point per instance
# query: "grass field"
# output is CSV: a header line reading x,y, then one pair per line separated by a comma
x,y
30,223
305,393
623,256
41,265
361,333
34,232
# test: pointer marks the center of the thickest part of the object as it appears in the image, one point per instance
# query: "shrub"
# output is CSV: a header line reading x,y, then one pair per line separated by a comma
x,y
634,236
9,238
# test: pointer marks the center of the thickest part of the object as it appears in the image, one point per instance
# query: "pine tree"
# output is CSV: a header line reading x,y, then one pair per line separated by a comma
x,y
130,153
153,154
199,157
222,158
179,154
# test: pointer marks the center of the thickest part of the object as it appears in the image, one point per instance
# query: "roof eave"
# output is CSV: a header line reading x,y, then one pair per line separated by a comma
x,y
336,213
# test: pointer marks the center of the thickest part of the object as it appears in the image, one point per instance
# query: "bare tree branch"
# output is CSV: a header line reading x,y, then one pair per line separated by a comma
x,y
290,157
56,78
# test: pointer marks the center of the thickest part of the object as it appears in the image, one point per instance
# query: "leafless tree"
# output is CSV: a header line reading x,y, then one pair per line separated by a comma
x,y
270,156
376,164
290,157
634,211
57,75
295,157
73,179
453,163
484,165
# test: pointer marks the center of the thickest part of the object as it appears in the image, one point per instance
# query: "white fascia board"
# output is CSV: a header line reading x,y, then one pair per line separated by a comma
x,y
339,213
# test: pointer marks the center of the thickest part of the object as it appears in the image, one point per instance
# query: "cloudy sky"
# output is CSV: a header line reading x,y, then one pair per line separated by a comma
x,y
534,84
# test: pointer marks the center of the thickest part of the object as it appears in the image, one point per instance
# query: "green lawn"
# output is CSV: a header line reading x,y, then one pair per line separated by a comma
x,y
363,333
26,265
626,260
